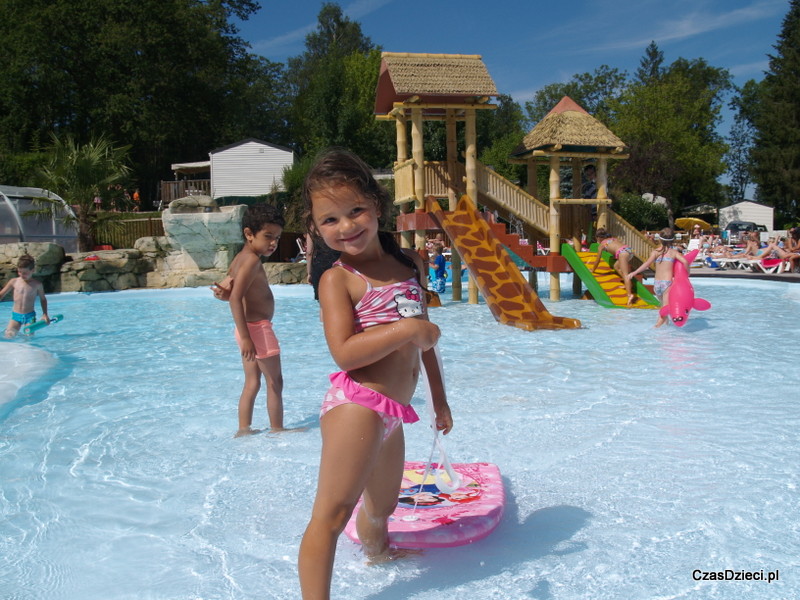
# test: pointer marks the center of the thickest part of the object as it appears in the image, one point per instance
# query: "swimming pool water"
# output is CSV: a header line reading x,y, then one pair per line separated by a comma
x,y
632,457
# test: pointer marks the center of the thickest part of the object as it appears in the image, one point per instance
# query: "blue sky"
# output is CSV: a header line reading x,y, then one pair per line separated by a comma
x,y
527,44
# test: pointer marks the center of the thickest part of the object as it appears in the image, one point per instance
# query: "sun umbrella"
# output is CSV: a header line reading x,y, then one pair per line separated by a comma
x,y
689,222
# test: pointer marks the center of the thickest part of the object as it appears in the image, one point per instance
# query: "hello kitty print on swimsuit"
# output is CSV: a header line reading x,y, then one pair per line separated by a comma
x,y
387,303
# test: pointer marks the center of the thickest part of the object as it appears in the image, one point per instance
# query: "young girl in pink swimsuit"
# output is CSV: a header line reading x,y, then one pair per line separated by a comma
x,y
622,257
664,258
377,330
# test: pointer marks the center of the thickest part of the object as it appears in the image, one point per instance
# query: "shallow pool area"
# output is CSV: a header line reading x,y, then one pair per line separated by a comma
x,y
636,461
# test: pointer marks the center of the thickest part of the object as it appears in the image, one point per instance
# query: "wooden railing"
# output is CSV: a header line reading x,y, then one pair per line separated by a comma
x,y
627,233
171,190
498,193
436,179
123,233
494,190
404,182
514,199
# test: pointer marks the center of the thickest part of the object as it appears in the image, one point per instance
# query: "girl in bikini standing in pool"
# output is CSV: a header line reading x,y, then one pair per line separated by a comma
x,y
376,326
622,257
664,259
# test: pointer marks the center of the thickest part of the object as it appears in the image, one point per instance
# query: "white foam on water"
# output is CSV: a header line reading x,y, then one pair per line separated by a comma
x,y
21,364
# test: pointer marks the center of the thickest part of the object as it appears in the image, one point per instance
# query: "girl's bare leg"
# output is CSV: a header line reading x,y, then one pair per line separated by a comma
x,y
664,302
380,497
351,442
625,268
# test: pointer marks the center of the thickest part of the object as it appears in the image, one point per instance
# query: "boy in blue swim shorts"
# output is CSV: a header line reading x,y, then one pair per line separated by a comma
x,y
26,289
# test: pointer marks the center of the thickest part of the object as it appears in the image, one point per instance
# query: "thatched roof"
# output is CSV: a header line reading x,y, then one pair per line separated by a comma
x,y
433,78
569,128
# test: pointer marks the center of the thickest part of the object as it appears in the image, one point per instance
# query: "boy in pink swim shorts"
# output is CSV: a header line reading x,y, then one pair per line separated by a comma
x,y
252,306
263,337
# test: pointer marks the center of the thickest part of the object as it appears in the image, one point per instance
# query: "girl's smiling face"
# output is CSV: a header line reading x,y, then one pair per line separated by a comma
x,y
346,220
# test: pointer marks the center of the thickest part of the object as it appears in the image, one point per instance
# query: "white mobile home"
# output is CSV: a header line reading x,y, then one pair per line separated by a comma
x,y
248,168
760,214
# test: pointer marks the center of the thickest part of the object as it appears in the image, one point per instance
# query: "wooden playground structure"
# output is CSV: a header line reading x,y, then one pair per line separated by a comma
x,y
448,88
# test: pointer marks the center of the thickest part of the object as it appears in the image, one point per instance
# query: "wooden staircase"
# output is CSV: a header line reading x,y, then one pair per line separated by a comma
x,y
498,193
514,243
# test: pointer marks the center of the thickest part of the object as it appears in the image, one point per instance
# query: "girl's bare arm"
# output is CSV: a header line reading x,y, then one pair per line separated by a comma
x,y
644,265
354,351
444,420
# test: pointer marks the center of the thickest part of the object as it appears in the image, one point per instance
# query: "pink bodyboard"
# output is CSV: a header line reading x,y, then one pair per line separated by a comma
x,y
442,520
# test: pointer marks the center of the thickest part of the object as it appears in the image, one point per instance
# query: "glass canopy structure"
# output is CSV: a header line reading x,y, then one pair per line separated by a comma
x,y
17,225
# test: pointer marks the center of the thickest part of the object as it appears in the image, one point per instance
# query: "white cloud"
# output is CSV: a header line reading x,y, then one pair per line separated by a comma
x,y
285,41
288,42
701,22
754,69
360,8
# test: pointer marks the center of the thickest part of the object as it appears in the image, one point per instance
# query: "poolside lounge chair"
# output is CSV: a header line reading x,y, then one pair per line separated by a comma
x,y
769,265
746,264
762,265
723,263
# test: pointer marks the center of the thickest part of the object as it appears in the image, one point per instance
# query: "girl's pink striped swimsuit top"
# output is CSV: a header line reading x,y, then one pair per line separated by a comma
x,y
386,303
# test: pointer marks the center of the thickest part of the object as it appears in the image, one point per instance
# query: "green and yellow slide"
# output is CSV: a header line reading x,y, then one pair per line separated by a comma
x,y
605,285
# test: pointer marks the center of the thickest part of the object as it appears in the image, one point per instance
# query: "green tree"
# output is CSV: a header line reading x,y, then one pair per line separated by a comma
x,y
641,213
499,131
494,124
669,123
333,83
496,157
172,79
80,173
650,65
776,151
740,140
592,91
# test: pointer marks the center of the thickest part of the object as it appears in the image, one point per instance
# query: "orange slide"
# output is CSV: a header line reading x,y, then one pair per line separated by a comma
x,y
508,295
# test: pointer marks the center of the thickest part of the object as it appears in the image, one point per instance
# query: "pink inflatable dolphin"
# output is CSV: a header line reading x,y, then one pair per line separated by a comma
x,y
681,295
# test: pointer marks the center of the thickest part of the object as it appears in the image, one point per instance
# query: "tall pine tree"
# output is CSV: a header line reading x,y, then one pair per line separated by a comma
x,y
740,141
776,152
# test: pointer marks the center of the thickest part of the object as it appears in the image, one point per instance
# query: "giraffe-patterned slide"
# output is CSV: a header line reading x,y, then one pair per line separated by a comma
x,y
508,295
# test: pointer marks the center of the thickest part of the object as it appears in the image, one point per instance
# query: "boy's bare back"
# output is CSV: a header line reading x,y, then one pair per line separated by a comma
x,y
247,271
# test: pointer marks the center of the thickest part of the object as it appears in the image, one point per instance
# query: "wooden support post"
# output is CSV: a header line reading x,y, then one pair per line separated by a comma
x,y
471,166
401,129
602,178
418,153
402,138
533,180
576,177
602,192
575,219
452,197
555,232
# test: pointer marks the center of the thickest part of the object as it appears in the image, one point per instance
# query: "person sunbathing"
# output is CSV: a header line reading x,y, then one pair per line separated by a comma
x,y
753,247
774,251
